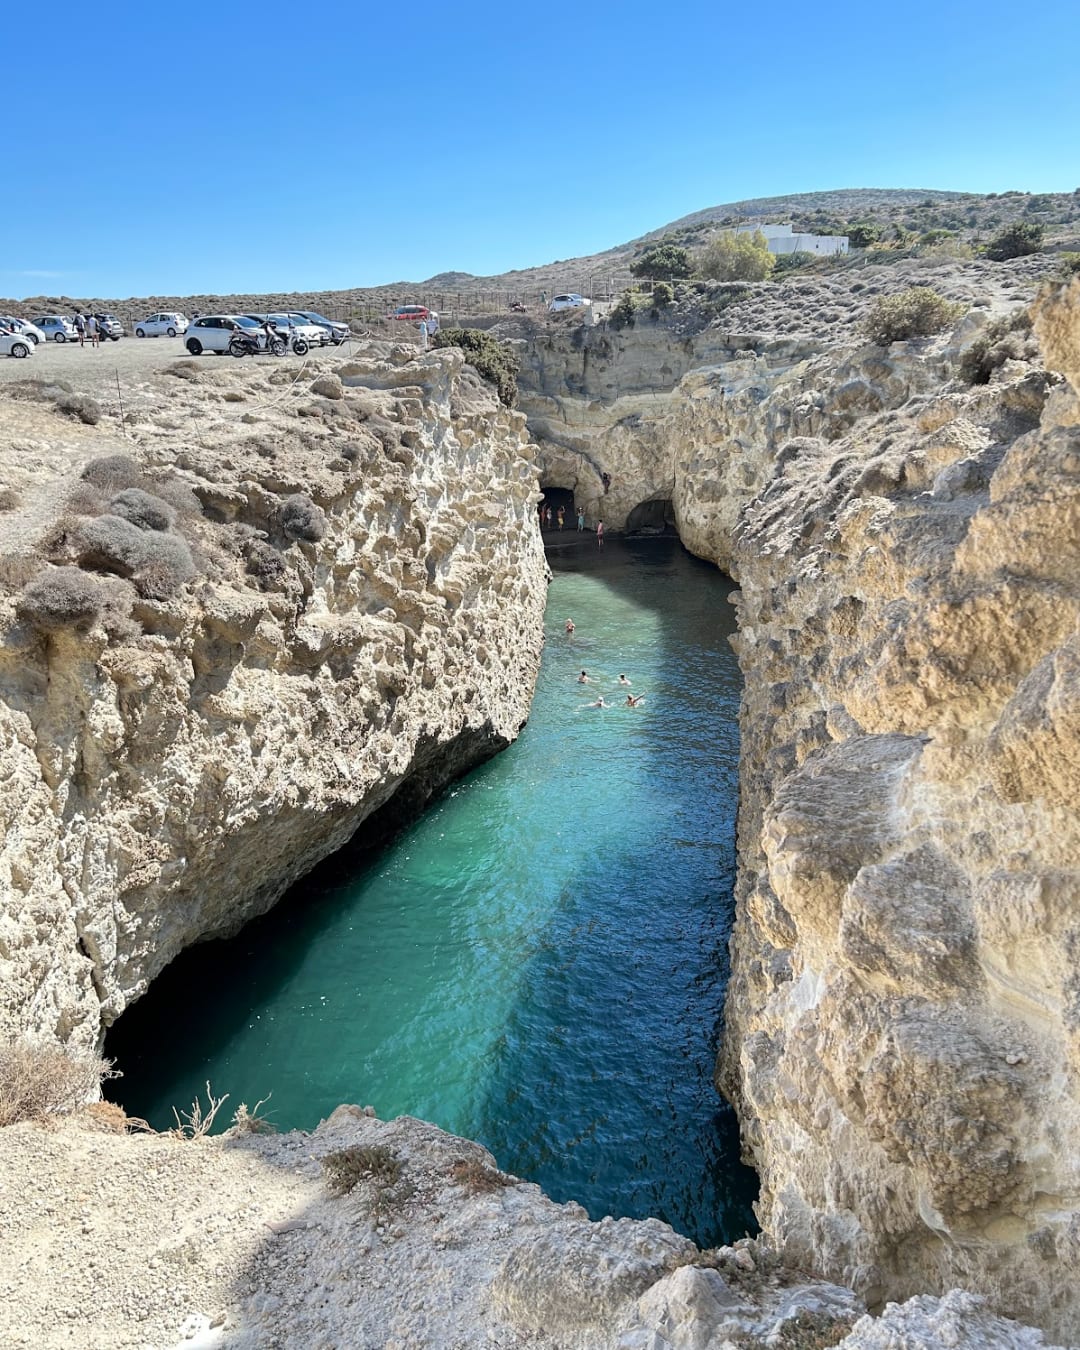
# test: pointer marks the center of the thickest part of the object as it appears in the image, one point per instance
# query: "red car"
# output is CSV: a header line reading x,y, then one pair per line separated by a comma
x,y
414,312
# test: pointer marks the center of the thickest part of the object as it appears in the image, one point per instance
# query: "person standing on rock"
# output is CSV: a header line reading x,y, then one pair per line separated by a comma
x,y
599,534
562,516
547,517
581,519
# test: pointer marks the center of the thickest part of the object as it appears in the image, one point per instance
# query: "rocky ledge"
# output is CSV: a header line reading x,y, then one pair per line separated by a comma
x,y
232,636
384,1236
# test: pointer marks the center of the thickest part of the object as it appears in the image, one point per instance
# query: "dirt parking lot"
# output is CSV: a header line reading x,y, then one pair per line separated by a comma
x,y
94,370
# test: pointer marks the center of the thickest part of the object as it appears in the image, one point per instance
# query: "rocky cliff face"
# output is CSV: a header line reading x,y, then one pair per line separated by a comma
x,y
901,1026
173,767
901,1022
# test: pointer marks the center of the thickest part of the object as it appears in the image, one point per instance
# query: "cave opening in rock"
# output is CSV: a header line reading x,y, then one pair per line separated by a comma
x,y
655,517
554,497
540,961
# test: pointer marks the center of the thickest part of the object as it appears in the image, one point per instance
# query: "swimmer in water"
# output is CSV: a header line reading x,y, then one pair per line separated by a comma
x,y
583,678
624,681
569,625
598,704
632,700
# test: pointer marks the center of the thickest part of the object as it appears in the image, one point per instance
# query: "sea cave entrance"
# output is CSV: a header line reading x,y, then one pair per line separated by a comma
x,y
655,517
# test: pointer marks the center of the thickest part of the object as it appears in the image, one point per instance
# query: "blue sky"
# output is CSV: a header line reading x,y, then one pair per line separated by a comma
x,y
176,148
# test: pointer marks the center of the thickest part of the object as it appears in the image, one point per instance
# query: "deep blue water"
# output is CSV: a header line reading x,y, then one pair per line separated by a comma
x,y
539,962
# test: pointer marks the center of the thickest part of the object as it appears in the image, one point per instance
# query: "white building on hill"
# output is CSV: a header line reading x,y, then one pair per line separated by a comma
x,y
781,239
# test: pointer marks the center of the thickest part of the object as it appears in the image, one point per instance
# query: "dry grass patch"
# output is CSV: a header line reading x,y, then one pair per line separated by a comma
x,y
477,1177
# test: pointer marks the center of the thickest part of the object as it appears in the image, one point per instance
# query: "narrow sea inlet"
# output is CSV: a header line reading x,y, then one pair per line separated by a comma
x,y
539,963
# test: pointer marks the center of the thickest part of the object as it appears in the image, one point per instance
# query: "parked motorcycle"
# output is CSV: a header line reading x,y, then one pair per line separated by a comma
x,y
248,344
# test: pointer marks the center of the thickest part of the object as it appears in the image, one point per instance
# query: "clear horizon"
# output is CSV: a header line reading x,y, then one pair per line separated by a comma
x,y
255,151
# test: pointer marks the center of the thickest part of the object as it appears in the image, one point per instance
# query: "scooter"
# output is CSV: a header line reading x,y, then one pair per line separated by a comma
x,y
248,344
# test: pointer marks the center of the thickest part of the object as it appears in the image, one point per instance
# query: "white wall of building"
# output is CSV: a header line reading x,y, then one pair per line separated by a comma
x,y
781,239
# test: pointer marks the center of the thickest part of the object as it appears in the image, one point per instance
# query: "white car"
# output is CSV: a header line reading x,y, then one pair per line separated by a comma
x,y
23,326
15,344
157,325
213,332
295,325
56,327
571,301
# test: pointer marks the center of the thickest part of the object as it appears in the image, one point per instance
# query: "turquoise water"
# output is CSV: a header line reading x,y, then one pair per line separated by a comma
x,y
539,962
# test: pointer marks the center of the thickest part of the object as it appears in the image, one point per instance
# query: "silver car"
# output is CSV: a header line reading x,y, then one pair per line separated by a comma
x,y
339,332
166,324
57,328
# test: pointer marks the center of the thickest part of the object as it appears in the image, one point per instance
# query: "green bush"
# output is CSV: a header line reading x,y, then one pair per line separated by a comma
x,y
622,316
662,295
1069,265
861,233
790,262
492,359
736,257
1015,241
916,312
665,261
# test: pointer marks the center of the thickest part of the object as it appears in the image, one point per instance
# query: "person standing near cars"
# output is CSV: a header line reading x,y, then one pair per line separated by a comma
x,y
80,327
92,330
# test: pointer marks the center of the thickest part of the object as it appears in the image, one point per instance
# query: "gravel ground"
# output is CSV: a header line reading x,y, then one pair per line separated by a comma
x,y
94,370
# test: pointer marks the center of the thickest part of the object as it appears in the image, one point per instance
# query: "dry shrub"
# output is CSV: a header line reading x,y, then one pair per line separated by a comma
x,y
184,370
158,563
177,494
248,1121
477,1177
9,499
302,519
265,564
61,597
348,1167
234,396
113,473
16,569
196,1123
38,1081
111,544
85,500
143,509
82,406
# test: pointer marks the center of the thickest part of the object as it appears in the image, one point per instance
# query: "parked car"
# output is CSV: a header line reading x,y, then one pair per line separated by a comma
x,y
413,312
56,327
109,326
213,332
23,326
15,344
313,332
292,326
570,301
339,332
167,323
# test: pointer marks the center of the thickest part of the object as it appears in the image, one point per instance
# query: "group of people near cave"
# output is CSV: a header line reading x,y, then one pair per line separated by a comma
x,y
558,519
632,700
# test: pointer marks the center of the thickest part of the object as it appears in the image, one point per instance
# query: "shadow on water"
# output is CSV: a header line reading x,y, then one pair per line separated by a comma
x,y
540,961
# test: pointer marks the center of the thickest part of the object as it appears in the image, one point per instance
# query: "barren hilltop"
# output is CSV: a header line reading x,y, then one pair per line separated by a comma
x,y
906,213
